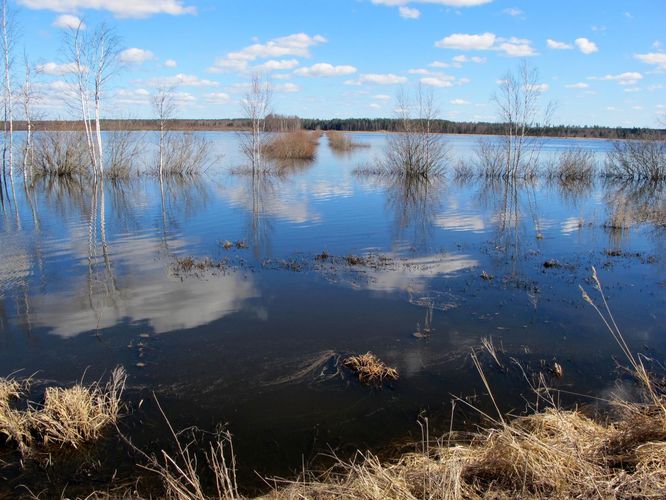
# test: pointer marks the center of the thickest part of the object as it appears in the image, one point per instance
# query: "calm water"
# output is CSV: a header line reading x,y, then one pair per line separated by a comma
x,y
90,281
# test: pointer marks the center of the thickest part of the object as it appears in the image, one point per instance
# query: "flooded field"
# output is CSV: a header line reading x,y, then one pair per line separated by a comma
x,y
232,299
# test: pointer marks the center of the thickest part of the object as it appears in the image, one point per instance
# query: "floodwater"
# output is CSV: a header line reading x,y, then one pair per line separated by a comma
x,y
89,279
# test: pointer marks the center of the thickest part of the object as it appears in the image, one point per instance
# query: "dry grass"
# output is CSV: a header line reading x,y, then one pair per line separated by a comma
x,y
574,165
339,141
298,145
370,369
67,417
185,154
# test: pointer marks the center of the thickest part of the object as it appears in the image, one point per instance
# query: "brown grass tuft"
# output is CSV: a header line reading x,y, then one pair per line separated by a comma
x,y
339,141
370,369
298,145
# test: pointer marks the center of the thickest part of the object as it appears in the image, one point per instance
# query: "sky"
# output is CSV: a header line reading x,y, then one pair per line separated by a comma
x,y
600,62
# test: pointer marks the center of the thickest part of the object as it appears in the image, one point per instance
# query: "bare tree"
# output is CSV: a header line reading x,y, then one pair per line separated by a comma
x,y
164,106
256,106
95,58
415,149
28,96
520,110
8,40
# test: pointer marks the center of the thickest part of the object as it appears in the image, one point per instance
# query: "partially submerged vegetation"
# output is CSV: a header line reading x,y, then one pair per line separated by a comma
x,y
296,145
370,369
68,416
642,159
339,141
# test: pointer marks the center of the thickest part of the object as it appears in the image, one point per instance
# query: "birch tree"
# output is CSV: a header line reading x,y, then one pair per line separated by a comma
x,y
521,111
27,98
256,106
94,55
8,40
164,106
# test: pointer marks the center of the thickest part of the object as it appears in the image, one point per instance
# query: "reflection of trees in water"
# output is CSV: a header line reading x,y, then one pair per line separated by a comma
x,y
415,202
631,203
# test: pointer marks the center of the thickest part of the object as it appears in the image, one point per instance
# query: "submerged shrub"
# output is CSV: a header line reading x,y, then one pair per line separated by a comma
x,y
574,165
339,141
60,154
122,150
638,159
185,154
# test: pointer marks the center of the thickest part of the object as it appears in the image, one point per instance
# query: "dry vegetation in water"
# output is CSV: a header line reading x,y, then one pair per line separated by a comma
x,y
339,141
67,417
370,369
298,145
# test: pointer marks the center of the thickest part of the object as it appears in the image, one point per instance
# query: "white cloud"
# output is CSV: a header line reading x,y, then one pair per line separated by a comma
x,y
462,41
374,105
627,78
656,58
539,87
449,3
513,12
512,47
182,80
120,8
579,85
633,89
275,64
297,45
136,56
286,88
52,68
382,97
474,59
439,64
377,79
409,13
441,81
554,44
67,21
459,102
586,46
217,98
140,97
419,71
325,70
170,63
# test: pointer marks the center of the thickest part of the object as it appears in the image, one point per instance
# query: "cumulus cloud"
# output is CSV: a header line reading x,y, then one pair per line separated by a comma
x,y
408,12
217,98
170,63
440,81
463,41
382,97
119,8
459,102
286,88
656,58
68,21
378,79
297,45
182,80
136,56
474,59
554,44
277,64
325,70
512,47
579,85
53,68
586,46
627,78
449,3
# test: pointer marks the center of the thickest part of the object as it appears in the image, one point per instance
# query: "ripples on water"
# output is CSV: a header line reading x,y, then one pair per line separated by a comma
x,y
86,276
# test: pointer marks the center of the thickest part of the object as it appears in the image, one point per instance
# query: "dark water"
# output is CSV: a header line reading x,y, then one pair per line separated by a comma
x,y
88,275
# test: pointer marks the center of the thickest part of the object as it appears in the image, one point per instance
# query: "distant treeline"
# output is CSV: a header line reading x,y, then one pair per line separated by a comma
x,y
347,124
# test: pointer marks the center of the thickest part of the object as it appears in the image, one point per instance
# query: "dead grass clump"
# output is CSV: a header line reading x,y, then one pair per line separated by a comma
x,y
370,369
298,145
339,141
14,424
184,265
67,417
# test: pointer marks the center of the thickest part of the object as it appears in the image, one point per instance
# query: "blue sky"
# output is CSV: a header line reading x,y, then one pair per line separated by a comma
x,y
602,62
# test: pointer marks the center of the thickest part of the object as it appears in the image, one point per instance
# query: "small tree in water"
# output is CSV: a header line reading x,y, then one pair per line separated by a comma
x,y
520,110
256,106
415,150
